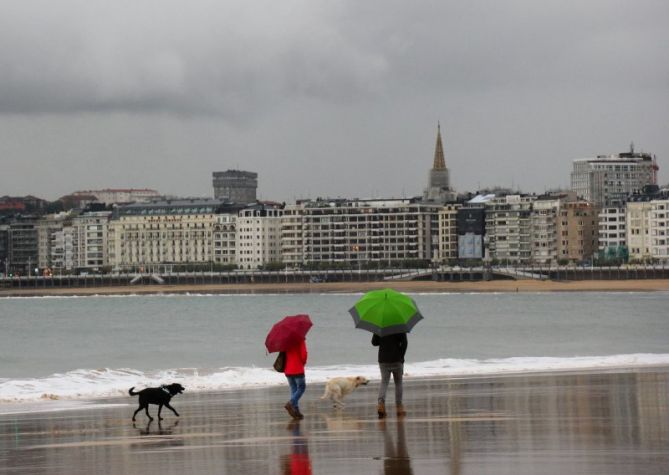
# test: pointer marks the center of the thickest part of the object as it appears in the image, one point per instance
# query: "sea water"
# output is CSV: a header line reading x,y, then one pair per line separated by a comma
x,y
69,348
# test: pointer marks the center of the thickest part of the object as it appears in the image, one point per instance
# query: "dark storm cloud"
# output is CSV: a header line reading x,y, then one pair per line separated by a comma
x,y
239,57
182,57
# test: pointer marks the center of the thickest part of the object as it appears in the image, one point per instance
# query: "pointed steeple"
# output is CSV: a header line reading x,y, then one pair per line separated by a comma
x,y
439,161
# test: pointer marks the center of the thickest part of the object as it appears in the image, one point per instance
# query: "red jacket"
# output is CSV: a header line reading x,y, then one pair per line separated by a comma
x,y
296,358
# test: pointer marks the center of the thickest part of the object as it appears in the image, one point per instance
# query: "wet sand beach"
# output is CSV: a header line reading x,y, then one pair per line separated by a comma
x,y
527,285
577,423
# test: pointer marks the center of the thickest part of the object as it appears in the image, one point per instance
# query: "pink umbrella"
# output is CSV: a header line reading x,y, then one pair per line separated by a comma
x,y
287,333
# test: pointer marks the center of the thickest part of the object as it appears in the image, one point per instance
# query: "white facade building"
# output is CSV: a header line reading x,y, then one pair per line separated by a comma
x,y
607,181
659,229
612,231
365,232
637,224
508,229
225,239
165,232
90,240
258,236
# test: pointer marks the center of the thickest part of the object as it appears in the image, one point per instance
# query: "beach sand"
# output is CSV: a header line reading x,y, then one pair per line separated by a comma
x,y
526,285
570,423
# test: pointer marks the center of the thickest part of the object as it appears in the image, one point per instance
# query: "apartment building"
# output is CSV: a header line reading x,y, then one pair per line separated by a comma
x,y
360,231
23,252
508,228
90,240
4,246
470,223
544,230
637,223
258,236
225,239
47,228
448,233
647,225
608,180
160,232
577,228
612,233
659,229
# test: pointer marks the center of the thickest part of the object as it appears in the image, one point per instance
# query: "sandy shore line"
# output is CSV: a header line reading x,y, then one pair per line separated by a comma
x,y
586,422
645,285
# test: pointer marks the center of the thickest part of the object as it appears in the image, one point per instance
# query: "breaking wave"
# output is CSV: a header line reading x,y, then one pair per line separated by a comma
x,y
87,384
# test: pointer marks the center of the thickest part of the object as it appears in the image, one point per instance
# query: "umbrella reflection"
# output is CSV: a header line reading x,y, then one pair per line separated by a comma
x,y
297,462
396,459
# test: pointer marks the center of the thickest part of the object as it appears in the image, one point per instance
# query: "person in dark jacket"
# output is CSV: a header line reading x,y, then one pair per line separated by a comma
x,y
392,349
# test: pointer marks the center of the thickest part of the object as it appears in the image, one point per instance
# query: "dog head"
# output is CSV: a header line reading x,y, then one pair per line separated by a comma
x,y
360,380
175,388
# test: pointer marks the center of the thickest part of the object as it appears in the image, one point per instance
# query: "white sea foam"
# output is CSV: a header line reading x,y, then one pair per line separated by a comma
x,y
86,384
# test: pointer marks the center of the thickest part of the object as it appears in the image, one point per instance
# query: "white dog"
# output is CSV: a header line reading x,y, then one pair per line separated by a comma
x,y
337,388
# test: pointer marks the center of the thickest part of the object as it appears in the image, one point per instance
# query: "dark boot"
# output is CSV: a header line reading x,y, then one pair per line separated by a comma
x,y
298,414
400,411
291,410
381,409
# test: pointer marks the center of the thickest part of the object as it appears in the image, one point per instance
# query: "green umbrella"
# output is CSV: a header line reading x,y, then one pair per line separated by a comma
x,y
385,312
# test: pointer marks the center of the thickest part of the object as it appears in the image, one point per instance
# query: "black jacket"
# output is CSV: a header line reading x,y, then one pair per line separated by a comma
x,y
391,348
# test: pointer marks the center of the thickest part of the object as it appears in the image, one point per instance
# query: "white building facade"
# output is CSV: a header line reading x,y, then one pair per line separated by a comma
x,y
258,241
364,232
607,181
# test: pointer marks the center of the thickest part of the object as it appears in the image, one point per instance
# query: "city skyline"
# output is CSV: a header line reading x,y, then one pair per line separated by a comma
x,y
317,98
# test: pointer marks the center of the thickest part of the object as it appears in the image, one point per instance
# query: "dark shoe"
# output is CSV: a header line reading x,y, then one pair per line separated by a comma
x,y
381,409
291,410
298,414
400,411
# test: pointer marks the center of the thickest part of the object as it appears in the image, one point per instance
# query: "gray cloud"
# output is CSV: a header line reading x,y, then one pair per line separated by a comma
x,y
317,95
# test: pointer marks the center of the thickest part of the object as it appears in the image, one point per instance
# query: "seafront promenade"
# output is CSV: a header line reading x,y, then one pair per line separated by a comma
x,y
523,285
447,274
614,422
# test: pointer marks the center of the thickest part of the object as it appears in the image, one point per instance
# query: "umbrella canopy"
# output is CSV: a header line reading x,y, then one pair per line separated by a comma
x,y
385,312
287,333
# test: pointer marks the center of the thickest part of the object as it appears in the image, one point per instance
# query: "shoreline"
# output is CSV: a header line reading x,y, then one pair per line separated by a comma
x,y
528,285
48,404
614,423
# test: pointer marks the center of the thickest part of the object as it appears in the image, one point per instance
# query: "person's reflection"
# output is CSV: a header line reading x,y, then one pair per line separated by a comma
x,y
298,461
396,459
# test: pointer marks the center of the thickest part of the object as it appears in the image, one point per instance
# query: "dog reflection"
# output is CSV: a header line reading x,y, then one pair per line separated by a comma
x,y
297,462
396,459
161,431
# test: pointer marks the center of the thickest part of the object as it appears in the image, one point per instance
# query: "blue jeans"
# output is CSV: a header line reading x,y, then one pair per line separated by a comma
x,y
297,386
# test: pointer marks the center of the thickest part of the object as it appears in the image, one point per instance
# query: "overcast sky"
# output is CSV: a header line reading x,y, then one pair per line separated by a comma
x,y
325,98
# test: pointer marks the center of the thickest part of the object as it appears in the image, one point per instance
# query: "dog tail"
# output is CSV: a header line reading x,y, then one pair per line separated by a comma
x,y
131,392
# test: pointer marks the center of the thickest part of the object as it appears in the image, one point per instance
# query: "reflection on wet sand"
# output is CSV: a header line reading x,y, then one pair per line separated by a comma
x,y
614,423
297,462
396,459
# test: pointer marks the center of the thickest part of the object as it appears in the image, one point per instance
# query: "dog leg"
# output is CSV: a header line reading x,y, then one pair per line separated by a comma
x,y
133,416
160,408
336,398
146,408
172,409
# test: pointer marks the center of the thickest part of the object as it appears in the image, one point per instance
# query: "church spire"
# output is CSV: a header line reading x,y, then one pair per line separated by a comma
x,y
439,162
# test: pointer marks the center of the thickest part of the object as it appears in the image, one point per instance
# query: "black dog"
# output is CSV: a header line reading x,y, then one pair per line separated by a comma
x,y
160,396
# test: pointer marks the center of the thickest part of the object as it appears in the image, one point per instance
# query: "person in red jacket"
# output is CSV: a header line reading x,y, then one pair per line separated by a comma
x,y
296,359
